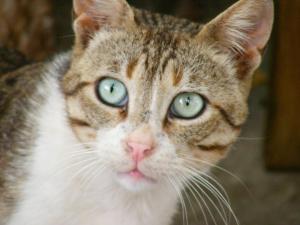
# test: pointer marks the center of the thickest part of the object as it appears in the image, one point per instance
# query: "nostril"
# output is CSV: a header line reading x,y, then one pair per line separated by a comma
x,y
128,147
148,151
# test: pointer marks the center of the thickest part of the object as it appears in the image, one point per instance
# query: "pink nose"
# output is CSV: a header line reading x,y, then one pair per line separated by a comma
x,y
139,151
140,143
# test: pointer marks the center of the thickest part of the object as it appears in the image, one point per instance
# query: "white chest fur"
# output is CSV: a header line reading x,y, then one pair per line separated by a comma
x,y
52,196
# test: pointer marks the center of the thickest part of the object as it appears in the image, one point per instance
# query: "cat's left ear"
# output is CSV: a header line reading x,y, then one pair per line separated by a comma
x,y
243,32
92,15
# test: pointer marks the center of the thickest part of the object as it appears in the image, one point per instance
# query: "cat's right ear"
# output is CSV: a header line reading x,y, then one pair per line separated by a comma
x,y
242,31
93,15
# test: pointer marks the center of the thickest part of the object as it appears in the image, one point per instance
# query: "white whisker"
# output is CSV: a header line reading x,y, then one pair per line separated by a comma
x,y
192,181
181,199
199,177
194,160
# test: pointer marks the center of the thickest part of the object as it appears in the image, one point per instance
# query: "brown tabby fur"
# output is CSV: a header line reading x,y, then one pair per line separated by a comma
x,y
156,56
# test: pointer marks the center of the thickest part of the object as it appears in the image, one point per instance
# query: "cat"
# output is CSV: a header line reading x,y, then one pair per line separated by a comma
x,y
143,106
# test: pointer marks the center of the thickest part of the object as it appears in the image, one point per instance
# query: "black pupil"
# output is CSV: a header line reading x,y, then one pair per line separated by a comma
x,y
188,101
112,88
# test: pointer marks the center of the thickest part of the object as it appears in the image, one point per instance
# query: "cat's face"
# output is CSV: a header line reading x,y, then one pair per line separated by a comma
x,y
155,107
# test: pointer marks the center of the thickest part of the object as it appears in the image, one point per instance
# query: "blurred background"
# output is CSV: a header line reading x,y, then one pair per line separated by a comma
x,y
261,175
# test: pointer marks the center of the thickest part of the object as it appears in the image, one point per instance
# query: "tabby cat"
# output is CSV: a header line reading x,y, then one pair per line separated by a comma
x,y
111,132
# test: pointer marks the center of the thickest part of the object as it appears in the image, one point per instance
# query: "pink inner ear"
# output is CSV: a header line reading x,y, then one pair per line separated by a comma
x,y
254,46
87,22
85,26
260,36
84,22
82,6
246,26
262,26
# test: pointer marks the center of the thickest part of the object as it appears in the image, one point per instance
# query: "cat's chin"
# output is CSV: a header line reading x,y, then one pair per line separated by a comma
x,y
135,181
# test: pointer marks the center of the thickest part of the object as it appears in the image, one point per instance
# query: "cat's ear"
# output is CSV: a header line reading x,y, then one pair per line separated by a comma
x,y
242,31
92,15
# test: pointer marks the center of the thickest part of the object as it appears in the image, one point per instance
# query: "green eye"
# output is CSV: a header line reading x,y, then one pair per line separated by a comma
x,y
187,106
112,92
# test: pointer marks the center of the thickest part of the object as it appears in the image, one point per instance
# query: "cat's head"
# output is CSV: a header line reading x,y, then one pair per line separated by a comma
x,y
157,106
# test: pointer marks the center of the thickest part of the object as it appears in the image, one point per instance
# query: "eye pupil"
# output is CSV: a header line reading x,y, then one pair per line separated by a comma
x,y
112,88
188,101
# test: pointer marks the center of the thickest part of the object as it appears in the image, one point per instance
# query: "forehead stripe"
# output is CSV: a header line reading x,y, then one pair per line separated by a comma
x,y
177,76
131,67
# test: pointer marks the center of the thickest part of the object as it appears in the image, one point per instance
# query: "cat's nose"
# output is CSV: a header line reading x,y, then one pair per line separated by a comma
x,y
139,151
140,144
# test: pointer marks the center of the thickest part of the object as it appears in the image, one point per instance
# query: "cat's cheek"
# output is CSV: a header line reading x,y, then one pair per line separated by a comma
x,y
85,134
204,160
110,149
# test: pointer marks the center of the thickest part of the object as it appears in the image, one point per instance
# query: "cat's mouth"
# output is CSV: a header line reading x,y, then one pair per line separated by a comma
x,y
137,175
135,180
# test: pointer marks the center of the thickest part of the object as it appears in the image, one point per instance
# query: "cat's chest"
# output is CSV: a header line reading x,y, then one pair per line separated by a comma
x,y
57,198
58,191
